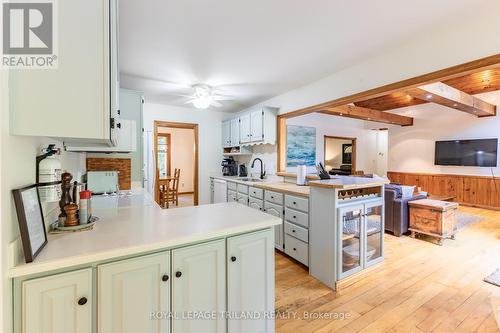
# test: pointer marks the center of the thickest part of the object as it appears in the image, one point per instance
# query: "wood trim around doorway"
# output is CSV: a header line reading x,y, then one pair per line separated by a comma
x,y
194,127
353,164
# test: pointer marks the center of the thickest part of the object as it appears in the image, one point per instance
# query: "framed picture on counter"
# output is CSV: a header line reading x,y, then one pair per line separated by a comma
x,y
31,222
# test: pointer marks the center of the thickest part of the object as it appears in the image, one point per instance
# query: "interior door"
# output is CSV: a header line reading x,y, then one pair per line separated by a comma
x,y
245,129
251,255
130,290
374,219
60,303
199,286
257,126
350,240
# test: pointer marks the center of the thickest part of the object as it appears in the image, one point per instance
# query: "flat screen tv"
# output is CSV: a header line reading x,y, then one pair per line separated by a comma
x,y
482,152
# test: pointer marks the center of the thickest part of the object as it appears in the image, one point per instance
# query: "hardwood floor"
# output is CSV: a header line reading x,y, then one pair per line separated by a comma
x,y
420,287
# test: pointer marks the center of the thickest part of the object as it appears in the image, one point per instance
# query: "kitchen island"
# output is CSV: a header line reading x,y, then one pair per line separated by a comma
x,y
145,269
346,232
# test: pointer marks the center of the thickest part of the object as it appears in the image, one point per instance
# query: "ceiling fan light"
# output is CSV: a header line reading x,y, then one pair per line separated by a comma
x,y
202,102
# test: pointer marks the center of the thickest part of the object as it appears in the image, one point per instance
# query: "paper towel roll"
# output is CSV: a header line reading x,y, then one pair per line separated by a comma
x,y
301,175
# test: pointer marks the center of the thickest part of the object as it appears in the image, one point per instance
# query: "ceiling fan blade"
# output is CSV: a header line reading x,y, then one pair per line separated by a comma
x,y
216,104
189,101
223,98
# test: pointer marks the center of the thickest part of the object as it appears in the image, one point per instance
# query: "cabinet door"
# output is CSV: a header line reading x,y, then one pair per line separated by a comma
x,y
235,132
255,203
257,126
226,134
242,199
59,303
278,230
80,89
374,220
250,282
199,287
245,129
129,291
350,240
231,196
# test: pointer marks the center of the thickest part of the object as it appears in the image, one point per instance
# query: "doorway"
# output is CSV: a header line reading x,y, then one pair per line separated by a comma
x,y
340,155
176,148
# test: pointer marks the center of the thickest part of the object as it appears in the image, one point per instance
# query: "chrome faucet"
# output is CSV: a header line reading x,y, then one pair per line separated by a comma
x,y
262,172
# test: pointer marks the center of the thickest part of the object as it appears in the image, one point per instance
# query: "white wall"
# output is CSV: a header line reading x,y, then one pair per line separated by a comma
x,y
17,170
345,127
182,156
209,137
411,149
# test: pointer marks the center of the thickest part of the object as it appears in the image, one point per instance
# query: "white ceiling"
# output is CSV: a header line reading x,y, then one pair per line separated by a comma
x,y
254,50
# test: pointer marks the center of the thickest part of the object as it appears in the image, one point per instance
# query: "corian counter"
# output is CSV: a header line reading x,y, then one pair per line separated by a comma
x,y
134,224
348,182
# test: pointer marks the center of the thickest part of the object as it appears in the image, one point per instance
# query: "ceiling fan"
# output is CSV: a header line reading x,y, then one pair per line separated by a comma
x,y
205,96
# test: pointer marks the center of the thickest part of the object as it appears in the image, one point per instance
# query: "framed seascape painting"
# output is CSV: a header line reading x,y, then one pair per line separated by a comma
x,y
300,146
31,222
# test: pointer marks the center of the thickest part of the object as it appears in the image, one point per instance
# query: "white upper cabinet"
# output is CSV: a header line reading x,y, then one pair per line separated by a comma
x,y
250,128
199,285
126,129
245,128
257,126
60,303
78,100
235,132
251,255
226,134
130,290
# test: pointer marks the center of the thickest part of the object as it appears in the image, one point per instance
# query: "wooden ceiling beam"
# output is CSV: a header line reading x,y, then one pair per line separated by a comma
x,y
357,112
443,94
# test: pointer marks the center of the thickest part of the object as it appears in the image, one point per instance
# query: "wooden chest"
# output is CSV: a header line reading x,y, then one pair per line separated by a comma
x,y
433,217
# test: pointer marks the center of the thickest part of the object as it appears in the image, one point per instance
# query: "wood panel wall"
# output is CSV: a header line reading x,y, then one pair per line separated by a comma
x,y
478,191
122,165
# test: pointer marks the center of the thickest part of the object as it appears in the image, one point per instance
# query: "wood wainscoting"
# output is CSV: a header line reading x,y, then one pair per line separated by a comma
x,y
476,191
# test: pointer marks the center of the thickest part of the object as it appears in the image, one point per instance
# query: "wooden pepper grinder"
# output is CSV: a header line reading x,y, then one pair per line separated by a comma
x,y
71,218
65,196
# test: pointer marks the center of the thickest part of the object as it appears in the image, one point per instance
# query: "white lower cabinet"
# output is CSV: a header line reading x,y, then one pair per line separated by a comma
x,y
183,290
60,303
199,288
134,294
250,282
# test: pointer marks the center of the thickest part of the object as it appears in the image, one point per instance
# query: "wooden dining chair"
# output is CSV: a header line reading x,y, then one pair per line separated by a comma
x,y
169,190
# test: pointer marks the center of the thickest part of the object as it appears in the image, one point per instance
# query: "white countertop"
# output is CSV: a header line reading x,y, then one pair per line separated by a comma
x,y
135,224
237,179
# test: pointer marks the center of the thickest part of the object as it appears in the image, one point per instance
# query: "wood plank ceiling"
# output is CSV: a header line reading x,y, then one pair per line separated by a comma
x,y
472,84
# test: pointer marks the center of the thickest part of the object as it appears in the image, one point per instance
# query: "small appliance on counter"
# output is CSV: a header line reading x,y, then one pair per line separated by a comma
x,y
322,172
243,171
102,182
229,167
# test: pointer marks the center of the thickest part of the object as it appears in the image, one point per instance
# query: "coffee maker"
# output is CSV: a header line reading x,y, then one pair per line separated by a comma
x,y
229,167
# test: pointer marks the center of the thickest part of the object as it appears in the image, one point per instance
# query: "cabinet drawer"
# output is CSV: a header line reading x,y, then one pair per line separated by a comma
x,y
242,199
256,192
231,196
297,249
297,232
256,203
298,203
297,217
273,209
242,188
231,186
274,197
